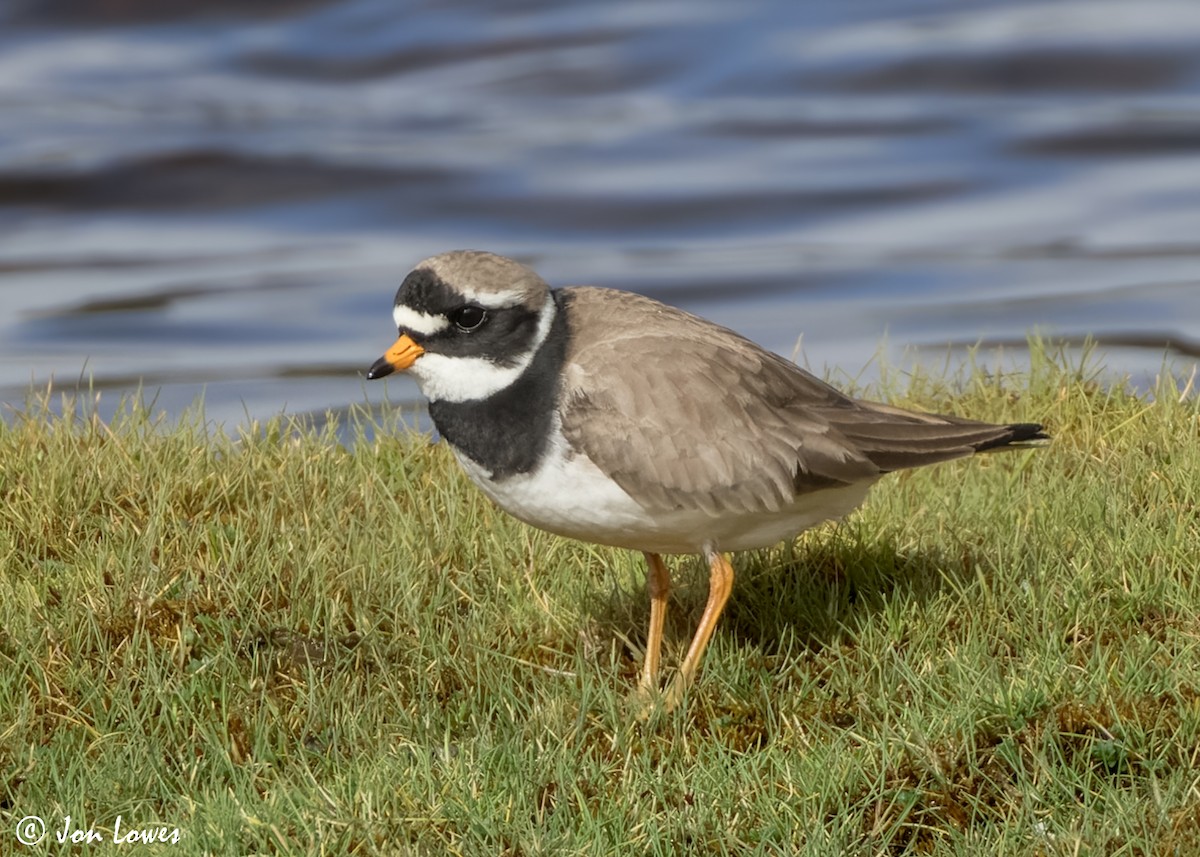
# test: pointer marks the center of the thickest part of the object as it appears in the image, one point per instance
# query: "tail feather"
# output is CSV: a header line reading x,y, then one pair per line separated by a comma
x,y
899,440
1019,434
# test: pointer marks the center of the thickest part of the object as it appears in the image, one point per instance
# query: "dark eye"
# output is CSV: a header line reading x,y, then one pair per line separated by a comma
x,y
468,317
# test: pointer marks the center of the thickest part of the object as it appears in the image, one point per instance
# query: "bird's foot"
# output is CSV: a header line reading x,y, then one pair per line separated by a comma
x,y
647,700
643,702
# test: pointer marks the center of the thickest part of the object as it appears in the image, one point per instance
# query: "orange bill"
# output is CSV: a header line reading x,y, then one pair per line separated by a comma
x,y
397,358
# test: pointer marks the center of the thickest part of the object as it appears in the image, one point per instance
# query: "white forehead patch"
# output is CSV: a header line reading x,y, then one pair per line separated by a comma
x,y
423,323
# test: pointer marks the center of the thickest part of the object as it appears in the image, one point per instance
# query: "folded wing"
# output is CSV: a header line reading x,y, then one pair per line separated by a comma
x,y
683,413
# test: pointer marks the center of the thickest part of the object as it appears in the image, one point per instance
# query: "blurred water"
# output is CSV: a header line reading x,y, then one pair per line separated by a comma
x,y
197,198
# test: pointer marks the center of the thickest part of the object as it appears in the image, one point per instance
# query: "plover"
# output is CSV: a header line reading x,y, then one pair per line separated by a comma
x,y
611,418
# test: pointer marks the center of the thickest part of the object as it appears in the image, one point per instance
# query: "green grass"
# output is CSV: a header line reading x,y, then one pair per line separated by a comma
x,y
281,645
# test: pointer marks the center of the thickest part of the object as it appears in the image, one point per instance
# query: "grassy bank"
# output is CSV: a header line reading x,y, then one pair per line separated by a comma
x,y
277,644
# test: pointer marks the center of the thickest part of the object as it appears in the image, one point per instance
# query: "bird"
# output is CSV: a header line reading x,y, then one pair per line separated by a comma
x,y
608,417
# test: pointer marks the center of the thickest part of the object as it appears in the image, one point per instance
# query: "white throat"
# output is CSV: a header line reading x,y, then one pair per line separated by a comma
x,y
443,378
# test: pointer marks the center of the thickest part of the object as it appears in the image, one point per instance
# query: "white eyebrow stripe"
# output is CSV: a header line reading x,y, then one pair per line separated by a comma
x,y
423,323
492,300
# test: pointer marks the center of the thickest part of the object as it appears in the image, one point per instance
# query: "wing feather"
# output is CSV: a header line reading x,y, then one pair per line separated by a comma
x,y
683,413
696,416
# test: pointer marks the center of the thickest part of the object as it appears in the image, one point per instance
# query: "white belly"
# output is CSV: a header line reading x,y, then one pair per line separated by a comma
x,y
570,496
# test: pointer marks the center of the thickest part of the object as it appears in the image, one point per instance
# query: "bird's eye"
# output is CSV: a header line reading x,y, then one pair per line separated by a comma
x,y
469,317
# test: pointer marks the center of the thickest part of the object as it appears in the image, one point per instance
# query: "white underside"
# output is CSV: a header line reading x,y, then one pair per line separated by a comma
x,y
570,496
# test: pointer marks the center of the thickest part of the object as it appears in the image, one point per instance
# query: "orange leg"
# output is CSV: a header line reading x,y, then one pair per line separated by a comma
x,y
658,583
720,584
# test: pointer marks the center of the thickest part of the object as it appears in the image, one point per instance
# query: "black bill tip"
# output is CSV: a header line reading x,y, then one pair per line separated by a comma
x,y
380,368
